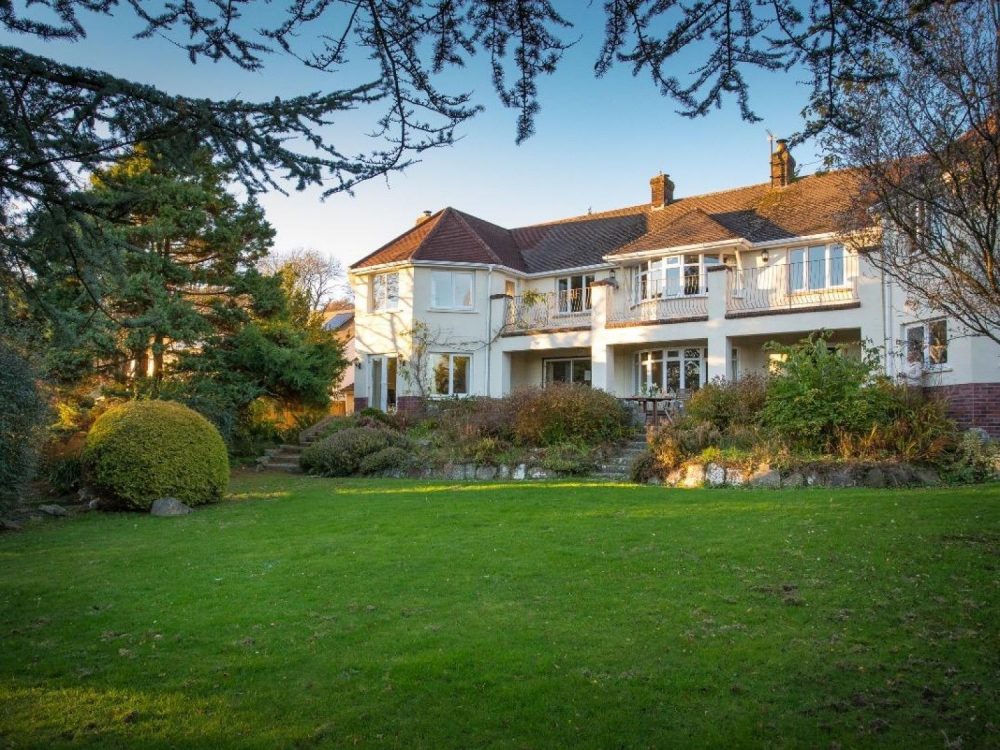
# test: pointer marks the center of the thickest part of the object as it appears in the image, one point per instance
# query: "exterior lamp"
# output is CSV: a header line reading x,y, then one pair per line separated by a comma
x,y
764,256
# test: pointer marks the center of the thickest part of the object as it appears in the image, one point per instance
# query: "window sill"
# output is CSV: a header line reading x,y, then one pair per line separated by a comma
x,y
463,310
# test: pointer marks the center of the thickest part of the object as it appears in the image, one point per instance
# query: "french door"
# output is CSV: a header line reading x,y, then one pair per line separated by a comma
x,y
382,382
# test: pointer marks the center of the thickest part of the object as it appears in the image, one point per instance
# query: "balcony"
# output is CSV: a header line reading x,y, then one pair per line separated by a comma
x,y
793,287
547,312
656,302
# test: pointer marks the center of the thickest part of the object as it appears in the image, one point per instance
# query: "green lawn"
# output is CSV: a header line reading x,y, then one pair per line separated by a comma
x,y
313,613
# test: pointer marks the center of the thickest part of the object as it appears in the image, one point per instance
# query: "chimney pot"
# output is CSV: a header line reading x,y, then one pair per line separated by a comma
x,y
424,217
661,190
782,165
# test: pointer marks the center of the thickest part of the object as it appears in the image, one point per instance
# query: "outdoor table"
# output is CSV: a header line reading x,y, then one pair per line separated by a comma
x,y
664,399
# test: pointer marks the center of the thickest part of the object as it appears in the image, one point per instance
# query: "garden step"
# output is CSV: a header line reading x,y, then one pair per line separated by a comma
x,y
291,468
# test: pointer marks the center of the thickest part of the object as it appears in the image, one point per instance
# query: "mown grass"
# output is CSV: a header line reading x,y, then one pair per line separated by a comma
x,y
311,613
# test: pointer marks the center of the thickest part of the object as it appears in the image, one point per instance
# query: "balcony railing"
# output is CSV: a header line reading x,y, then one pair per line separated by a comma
x,y
661,306
790,286
540,311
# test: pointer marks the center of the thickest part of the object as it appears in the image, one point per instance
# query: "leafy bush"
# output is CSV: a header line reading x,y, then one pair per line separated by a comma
x,y
341,454
644,467
728,403
485,450
21,416
976,459
473,419
568,458
144,450
819,392
568,413
387,459
64,474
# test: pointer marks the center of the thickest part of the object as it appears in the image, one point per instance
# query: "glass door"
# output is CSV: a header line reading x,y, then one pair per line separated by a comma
x,y
382,382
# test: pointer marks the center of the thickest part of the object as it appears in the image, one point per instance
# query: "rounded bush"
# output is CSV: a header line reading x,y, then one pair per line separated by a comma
x,y
144,450
341,454
387,459
562,413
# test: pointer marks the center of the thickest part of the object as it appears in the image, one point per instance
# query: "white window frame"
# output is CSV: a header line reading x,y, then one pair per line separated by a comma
x,y
642,366
390,303
655,273
805,268
453,277
451,375
564,305
927,349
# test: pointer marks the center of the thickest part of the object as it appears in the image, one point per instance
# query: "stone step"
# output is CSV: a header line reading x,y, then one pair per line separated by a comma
x,y
291,468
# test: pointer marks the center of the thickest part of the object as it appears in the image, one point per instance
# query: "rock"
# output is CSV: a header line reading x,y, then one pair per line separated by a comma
x,y
454,471
766,478
539,473
8,525
813,479
519,472
694,476
793,480
715,475
654,481
470,471
736,477
168,506
94,504
926,476
53,510
899,476
503,472
486,473
841,477
875,478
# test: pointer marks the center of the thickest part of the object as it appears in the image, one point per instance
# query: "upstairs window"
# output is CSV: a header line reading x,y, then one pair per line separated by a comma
x,y
385,291
673,276
927,343
573,293
452,290
817,267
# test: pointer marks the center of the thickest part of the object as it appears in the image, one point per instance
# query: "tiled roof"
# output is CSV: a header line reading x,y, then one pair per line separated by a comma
x,y
756,213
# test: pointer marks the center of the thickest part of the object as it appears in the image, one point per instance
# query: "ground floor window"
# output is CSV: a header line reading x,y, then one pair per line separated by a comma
x,y
927,343
570,370
659,370
451,374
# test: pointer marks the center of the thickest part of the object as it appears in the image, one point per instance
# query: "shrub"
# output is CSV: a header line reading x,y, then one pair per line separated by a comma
x,y
568,414
341,454
485,450
21,416
729,403
468,419
819,392
568,458
644,467
387,459
144,450
976,459
64,474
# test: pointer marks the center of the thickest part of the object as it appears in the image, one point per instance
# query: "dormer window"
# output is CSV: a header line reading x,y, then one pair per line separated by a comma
x,y
817,267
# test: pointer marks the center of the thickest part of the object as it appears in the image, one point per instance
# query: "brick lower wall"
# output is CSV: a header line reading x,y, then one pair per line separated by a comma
x,y
409,404
972,405
360,402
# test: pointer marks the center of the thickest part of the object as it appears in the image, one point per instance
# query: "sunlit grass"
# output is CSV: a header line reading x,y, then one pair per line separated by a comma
x,y
322,613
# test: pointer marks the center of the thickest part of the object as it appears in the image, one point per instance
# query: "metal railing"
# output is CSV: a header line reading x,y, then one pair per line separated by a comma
x,y
785,286
541,310
659,307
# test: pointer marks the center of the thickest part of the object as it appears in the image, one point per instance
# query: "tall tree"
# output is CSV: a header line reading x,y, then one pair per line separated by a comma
x,y
927,147
318,279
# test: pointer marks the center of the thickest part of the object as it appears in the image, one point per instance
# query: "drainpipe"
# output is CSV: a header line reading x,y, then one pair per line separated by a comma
x,y
489,327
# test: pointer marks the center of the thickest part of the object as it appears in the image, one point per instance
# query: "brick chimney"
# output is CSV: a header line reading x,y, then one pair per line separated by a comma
x,y
661,190
423,217
782,165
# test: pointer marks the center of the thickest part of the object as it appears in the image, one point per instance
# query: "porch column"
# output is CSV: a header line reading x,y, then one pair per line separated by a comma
x,y
720,350
720,355
602,367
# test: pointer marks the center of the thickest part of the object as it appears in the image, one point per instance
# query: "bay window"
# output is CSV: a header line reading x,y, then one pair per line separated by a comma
x,y
673,370
452,290
385,291
573,293
817,267
672,276
451,374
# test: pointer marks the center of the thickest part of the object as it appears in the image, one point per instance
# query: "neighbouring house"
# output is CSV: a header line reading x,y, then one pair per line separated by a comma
x,y
338,317
661,296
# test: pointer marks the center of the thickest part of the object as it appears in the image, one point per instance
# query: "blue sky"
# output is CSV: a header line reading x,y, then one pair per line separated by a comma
x,y
598,141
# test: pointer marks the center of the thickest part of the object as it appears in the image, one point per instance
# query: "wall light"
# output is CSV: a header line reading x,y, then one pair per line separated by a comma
x,y
764,256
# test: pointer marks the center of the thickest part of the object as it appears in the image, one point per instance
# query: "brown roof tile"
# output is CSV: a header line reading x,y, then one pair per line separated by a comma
x,y
756,213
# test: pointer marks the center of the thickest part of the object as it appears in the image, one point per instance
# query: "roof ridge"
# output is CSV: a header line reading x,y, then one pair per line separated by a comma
x,y
461,217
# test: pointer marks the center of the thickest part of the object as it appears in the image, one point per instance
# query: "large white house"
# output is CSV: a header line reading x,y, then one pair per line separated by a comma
x,y
665,295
